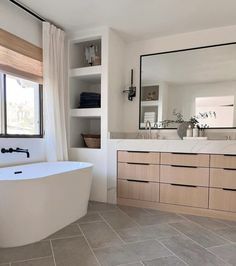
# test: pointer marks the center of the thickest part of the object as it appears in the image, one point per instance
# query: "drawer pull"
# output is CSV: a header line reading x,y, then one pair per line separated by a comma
x,y
230,155
229,189
183,166
137,181
184,153
182,185
140,163
138,151
229,169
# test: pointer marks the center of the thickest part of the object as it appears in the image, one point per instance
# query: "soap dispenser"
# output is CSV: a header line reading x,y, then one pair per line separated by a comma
x,y
189,131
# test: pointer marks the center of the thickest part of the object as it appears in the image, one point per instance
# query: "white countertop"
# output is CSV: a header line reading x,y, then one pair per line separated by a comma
x,y
185,146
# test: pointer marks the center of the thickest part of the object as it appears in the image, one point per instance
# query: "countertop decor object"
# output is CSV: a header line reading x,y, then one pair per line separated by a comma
x,y
182,124
182,129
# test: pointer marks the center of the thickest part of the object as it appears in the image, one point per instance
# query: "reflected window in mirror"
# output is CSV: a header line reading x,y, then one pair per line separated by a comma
x,y
215,111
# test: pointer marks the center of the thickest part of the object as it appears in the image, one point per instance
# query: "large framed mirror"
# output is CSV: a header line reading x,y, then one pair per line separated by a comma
x,y
197,83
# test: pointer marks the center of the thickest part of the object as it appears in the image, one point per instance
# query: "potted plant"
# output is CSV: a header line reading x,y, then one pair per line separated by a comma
x,y
182,124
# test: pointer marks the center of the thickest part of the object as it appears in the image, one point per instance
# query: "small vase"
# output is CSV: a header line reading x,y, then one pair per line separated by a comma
x,y
182,129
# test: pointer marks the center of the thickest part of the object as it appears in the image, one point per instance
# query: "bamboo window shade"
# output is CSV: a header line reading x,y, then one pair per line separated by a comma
x,y
20,58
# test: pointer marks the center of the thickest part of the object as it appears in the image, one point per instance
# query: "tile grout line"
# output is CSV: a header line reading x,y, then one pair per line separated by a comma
x,y
63,237
32,259
89,245
130,263
113,230
200,245
53,256
227,227
130,218
183,234
168,212
227,244
89,222
172,252
186,218
151,214
130,243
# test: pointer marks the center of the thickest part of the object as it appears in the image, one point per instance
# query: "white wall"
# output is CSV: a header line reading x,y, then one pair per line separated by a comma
x,y
20,23
116,83
174,42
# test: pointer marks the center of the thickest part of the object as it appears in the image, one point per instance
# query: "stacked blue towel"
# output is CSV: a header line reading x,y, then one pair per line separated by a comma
x,y
90,100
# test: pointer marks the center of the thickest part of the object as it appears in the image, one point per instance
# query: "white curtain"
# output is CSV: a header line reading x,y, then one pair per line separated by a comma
x,y
54,91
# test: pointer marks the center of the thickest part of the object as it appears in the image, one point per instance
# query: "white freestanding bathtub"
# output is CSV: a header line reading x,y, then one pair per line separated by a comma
x,y
38,199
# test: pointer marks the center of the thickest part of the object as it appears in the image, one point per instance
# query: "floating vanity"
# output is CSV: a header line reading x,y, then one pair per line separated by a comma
x,y
178,181
174,175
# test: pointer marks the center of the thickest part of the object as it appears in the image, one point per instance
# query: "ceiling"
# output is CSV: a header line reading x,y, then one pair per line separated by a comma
x,y
137,19
214,64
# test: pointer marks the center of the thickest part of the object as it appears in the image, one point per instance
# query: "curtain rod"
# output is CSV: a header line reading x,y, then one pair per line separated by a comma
x,y
31,12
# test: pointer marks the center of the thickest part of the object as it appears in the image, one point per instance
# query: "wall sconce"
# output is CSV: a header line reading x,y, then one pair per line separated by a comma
x,y
132,90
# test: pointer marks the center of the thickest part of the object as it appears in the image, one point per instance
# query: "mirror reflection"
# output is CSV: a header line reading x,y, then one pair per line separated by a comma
x,y
189,84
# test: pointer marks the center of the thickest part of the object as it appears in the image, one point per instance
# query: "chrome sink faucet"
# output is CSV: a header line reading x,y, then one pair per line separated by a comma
x,y
149,127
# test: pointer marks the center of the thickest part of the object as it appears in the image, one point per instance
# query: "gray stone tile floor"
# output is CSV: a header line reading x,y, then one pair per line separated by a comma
x,y
111,235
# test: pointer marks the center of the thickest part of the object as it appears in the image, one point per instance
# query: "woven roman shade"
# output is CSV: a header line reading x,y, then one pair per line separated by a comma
x,y
20,58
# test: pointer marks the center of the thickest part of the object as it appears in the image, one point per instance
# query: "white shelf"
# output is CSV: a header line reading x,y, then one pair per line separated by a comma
x,y
86,112
84,149
149,103
92,73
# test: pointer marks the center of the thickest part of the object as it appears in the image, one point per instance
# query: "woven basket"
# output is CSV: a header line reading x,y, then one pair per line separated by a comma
x,y
92,141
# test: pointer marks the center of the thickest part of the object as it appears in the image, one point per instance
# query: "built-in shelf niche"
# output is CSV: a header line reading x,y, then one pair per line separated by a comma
x,y
83,125
150,95
77,53
79,85
148,109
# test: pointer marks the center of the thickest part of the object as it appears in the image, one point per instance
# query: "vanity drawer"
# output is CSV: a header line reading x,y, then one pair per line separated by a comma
x,y
223,178
189,159
222,199
146,191
184,195
145,172
139,157
189,175
223,161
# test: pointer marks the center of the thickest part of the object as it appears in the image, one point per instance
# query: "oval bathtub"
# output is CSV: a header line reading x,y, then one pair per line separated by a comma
x,y
38,199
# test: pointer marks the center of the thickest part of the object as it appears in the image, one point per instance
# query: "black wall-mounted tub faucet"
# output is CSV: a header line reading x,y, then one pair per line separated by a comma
x,y
11,150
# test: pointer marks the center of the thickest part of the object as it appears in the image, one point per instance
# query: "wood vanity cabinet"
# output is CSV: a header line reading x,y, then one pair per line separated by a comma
x,y
223,183
186,159
139,157
185,182
184,179
192,196
139,190
138,175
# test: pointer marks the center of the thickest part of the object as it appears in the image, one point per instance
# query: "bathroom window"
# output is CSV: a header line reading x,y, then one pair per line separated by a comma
x,y
21,76
21,107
